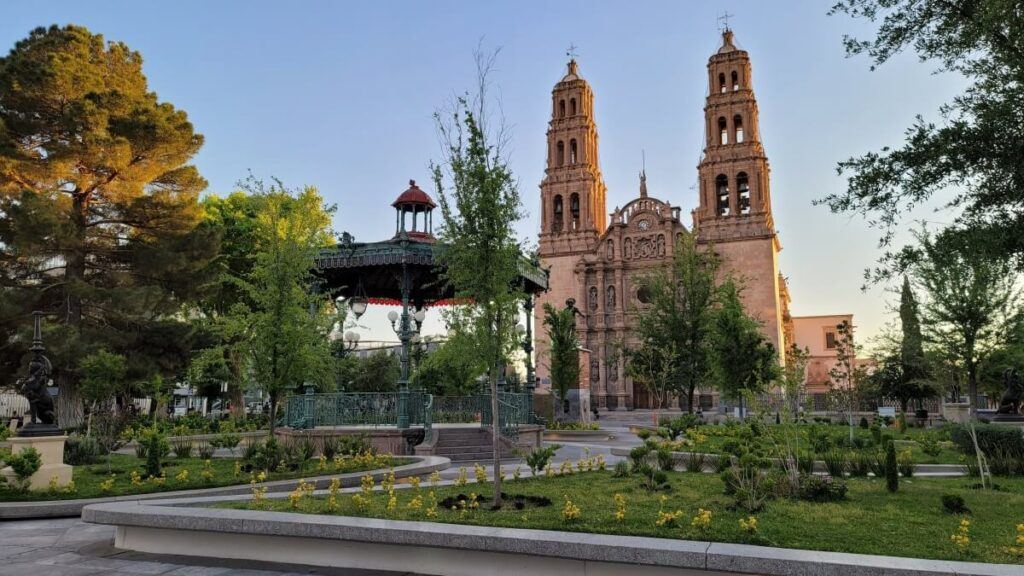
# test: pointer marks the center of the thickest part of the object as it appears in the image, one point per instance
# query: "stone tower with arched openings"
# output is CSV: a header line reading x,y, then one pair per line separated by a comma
x,y
734,213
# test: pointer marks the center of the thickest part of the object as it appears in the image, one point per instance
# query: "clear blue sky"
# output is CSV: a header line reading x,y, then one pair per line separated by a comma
x,y
340,95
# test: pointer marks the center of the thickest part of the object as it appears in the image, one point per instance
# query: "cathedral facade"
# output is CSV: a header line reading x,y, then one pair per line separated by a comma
x,y
597,258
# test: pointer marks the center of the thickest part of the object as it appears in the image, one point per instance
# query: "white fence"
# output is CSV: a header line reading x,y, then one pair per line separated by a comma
x,y
12,405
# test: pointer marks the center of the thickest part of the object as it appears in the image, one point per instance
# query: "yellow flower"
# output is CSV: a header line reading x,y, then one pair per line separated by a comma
x,y
570,511
748,525
480,472
181,477
462,478
702,521
620,507
435,477
108,484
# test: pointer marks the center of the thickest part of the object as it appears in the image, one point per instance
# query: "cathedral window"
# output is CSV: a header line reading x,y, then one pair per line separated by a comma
x,y
572,151
735,81
722,194
737,123
557,224
743,188
560,154
572,106
721,83
643,295
574,210
723,131
561,108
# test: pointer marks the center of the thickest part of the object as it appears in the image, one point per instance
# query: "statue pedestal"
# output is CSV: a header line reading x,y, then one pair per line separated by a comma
x,y
51,453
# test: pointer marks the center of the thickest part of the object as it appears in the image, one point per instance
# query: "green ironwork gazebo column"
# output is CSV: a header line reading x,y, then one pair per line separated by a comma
x,y
405,334
531,375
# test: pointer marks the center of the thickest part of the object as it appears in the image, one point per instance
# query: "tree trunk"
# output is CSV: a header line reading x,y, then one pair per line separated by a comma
x,y
972,389
689,399
237,401
273,414
495,437
69,401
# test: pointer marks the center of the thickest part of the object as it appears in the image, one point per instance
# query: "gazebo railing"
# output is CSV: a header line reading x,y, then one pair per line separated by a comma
x,y
303,411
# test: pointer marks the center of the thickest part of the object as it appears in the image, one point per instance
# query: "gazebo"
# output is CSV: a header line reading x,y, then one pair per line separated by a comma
x,y
404,271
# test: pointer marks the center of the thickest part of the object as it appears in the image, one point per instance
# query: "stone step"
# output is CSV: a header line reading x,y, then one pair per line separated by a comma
x,y
464,442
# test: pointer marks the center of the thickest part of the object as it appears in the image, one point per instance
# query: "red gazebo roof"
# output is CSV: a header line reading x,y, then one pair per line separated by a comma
x,y
414,195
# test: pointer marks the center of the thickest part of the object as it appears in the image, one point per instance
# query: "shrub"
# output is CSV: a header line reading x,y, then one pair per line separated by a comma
x,y
751,486
861,463
330,447
652,478
905,463
227,440
822,488
621,469
930,445
892,479
264,456
863,422
182,448
835,462
805,462
643,434
991,439
205,450
954,504
538,458
25,464
694,462
352,445
302,448
79,451
722,463
156,448
878,464
676,427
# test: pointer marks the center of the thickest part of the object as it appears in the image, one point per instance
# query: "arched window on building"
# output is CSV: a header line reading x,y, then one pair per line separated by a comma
x,y
572,106
722,194
556,225
561,108
721,83
723,132
574,210
743,188
735,81
737,124
609,303
572,151
560,154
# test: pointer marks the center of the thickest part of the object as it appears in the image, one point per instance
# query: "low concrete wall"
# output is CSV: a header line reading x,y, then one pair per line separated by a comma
x,y
385,439
578,435
172,527
72,508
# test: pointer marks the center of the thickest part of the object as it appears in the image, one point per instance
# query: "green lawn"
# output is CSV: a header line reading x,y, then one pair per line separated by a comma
x,y
910,522
88,479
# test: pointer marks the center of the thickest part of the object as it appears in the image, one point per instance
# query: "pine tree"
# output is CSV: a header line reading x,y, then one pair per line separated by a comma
x,y
99,208
892,477
912,360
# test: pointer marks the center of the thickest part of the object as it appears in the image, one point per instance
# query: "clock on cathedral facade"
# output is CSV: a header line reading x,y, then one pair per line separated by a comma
x,y
597,257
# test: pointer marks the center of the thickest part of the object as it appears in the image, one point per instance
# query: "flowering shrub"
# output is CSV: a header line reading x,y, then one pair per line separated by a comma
x,y
462,478
702,521
480,472
962,537
259,493
749,524
108,484
181,477
570,511
620,507
1018,543
667,518
435,478
431,505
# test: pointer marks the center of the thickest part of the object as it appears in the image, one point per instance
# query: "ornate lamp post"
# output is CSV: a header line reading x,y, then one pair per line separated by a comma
x,y
406,333
526,333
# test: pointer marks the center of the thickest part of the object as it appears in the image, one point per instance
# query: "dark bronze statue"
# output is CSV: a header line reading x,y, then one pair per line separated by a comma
x,y
34,387
1010,402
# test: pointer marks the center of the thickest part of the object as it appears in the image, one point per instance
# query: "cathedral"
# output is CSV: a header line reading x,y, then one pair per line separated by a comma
x,y
596,257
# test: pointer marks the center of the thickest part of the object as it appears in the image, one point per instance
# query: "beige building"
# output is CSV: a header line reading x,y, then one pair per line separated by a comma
x,y
596,257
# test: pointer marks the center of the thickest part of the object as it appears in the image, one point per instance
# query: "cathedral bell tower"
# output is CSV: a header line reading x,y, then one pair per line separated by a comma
x,y
572,196
734,212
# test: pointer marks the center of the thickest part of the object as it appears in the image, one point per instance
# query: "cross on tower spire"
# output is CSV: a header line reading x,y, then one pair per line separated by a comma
x,y
723,21
571,51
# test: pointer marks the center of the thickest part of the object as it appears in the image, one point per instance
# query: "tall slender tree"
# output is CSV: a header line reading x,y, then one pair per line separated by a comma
x,y
481,254
563,353
99,209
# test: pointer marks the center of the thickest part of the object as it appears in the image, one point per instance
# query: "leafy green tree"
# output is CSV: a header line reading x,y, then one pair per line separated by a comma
x,y
563,353
972,158
655,367
904,374
847,378
288,322
377,372
970,299
480,259
676,325
100,210
449,370
103,379
742,361
1009,353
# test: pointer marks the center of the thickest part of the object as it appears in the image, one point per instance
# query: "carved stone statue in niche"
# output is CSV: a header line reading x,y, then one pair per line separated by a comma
x,y
592,299
610,299
613,368
661,244
595,370
611,250
627,249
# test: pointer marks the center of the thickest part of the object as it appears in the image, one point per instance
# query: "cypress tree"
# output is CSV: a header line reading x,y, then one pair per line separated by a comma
x,y
99,208
892,478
